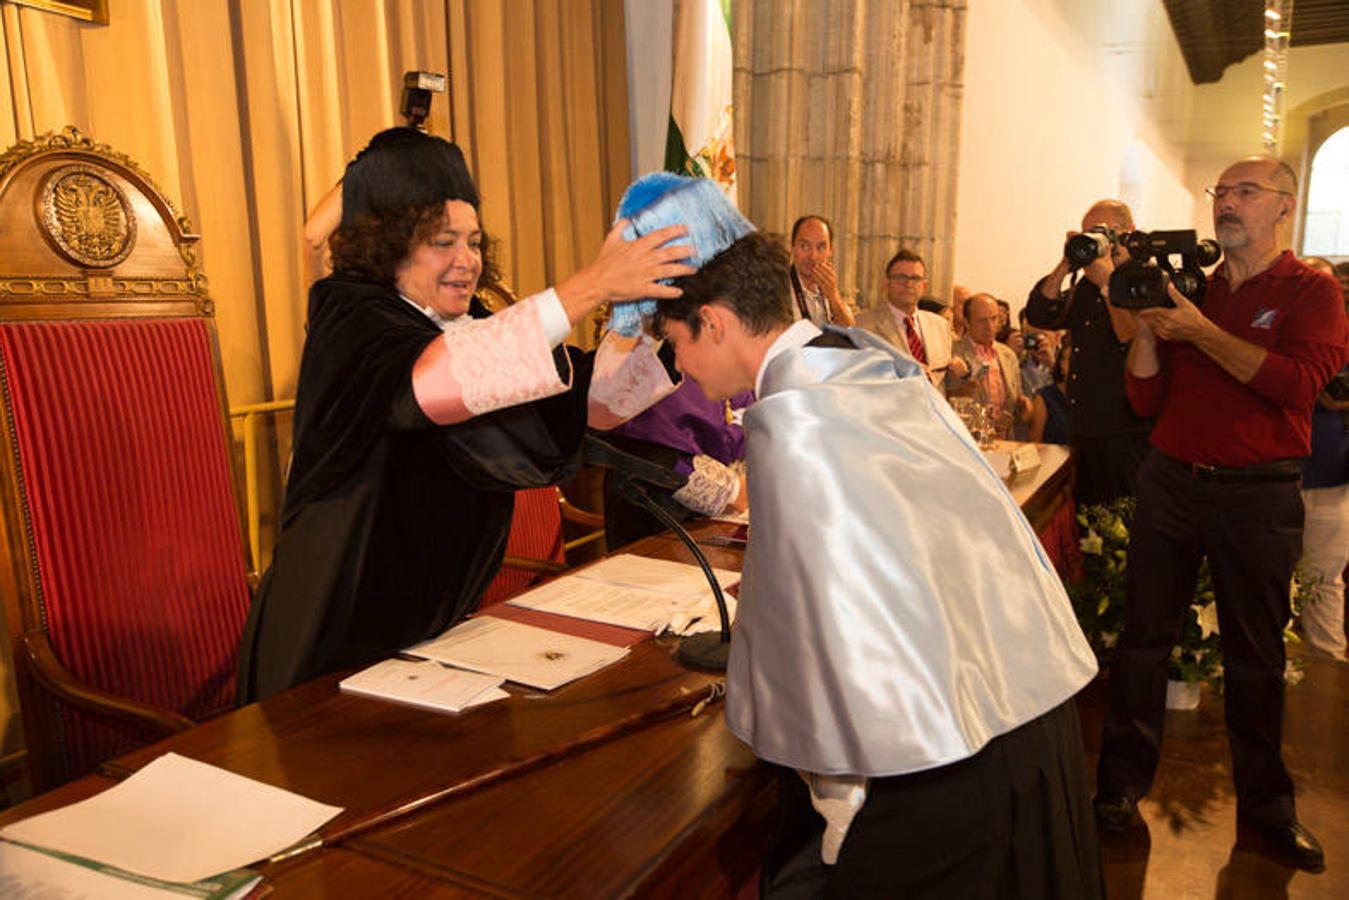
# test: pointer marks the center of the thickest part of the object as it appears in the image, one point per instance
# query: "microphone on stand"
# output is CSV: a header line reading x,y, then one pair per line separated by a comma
x,y
706,650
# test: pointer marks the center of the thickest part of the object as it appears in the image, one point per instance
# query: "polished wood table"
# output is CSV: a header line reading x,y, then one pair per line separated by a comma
x,y
625,781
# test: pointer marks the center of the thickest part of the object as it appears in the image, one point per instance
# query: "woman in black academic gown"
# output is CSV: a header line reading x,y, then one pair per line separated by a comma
x,y
417,417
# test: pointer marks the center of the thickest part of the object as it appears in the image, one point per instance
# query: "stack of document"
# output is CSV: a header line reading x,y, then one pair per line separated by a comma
x,y
425,684
176,826
635,592
517,652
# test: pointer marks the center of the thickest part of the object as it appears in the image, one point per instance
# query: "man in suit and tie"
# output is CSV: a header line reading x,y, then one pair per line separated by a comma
x,y
923,335
995,373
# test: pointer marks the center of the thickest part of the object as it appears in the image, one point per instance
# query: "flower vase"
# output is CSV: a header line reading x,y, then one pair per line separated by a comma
x,y
1182,694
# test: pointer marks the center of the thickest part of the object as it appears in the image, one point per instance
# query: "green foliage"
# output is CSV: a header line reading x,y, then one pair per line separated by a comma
x,y
1099,595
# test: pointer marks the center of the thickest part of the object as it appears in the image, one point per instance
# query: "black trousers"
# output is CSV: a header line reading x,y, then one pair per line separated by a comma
x,y
1012,821
1106,465
1252,536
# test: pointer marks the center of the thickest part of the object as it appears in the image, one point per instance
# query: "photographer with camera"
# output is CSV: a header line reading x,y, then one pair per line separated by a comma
x,y
1109,440
1232,387
1039,348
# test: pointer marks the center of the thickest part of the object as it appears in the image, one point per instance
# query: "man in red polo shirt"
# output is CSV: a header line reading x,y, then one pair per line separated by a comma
x,y
1232,387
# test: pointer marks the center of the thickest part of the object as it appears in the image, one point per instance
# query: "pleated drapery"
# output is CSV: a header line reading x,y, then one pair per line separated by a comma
x,y
246,112
851,109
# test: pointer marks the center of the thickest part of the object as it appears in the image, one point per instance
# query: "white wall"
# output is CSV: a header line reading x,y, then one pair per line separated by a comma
x,y
1065,103
1225,124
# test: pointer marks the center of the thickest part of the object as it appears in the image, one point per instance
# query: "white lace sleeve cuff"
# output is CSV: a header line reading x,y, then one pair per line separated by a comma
x,y
711,487
627,379
487,364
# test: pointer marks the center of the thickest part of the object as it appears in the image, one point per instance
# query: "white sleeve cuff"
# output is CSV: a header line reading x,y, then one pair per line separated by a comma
x,y
553,318
710,488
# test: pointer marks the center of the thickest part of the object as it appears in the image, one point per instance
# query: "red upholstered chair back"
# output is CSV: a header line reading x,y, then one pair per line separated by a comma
x,y
125,574
536,534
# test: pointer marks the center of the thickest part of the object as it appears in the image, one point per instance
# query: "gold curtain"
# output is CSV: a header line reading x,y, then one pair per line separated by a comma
x,y
246,113
851,109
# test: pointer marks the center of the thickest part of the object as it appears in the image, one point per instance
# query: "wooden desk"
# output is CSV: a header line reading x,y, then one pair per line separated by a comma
x,y
680,808
604,787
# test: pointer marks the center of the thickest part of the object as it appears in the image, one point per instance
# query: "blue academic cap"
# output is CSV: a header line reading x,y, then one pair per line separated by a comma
x,y
662,198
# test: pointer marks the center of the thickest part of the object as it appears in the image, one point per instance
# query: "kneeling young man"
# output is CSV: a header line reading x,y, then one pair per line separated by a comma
x,y
903,643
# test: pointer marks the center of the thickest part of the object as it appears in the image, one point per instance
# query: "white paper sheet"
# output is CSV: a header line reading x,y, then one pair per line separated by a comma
x,y
27,874
423,683
177,820
595,601
635,592
521,653
660,575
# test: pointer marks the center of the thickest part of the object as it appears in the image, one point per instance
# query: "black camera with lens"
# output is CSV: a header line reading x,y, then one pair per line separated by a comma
x,y
1085,248
1156,257
1031,341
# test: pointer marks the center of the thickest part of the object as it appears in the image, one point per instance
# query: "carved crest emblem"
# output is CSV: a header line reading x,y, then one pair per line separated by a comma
x,y
86,216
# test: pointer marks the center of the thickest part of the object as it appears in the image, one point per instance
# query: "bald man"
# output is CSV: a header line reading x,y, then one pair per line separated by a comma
x,y
1109,440
993,373
1232,387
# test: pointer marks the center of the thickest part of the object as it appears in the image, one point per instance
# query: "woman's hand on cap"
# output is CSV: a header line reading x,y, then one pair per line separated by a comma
x,y
627,270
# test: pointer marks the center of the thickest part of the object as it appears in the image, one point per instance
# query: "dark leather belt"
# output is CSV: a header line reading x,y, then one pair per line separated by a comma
x,y
1276,470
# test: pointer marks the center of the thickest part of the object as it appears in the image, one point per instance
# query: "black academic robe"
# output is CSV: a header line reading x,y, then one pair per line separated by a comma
x,y
392,526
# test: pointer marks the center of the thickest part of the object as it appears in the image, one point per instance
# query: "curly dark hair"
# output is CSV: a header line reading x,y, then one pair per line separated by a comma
x,y
749,278
373,246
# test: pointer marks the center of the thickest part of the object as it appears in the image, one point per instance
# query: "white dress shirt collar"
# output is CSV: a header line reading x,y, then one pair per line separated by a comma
x,y
442,322
802,332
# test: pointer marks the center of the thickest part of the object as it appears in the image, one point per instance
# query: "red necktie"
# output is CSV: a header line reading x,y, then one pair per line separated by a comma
x,y
915,342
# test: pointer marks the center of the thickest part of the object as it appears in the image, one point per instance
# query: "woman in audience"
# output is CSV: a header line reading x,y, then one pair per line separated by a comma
x,y
417,416
1051,416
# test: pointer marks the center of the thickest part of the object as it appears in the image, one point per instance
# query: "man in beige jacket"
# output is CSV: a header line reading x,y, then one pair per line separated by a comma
x,y
922,335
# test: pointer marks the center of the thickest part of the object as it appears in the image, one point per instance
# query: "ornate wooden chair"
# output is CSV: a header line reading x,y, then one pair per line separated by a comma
x,y
124,573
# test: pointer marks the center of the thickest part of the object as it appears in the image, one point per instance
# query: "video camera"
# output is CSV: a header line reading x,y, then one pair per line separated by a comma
x,y
1140,283
1085,248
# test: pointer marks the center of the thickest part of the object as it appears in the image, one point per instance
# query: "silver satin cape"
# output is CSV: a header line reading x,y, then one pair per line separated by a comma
x,y
896,610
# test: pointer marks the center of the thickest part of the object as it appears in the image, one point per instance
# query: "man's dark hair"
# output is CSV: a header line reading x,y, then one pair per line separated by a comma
x,y
906,255
828,226
749,278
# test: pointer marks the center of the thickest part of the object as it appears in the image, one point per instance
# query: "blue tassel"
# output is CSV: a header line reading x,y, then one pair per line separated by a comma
x,y
654,201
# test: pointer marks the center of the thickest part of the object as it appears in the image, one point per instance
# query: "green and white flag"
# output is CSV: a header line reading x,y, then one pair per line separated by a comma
x,y
701,138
